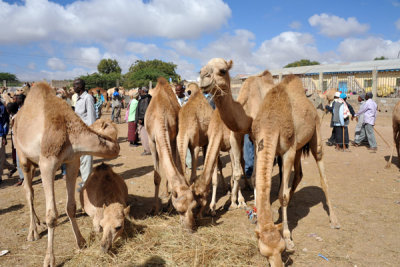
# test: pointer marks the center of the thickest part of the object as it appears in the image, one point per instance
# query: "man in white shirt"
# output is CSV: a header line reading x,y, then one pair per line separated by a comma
x,y
84,108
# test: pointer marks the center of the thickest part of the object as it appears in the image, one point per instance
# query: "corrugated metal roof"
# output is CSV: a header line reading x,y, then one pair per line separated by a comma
x,y
361,66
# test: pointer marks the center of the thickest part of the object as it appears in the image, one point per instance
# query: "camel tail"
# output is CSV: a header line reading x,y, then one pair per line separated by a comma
x,y
306,150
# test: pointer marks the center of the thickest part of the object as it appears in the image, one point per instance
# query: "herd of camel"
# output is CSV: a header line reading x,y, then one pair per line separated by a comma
x,y
280,120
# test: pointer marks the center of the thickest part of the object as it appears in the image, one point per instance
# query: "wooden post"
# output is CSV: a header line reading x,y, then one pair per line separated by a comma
x,y
280,77
4,83
321,82
117,85
150,85
374,82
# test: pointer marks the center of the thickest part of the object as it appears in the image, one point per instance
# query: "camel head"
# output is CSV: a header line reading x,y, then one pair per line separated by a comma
x,y
112,223
184,203
271,243
105,128
214,77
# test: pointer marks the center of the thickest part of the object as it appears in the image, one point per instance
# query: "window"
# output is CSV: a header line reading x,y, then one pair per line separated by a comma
x,y
368,83
397,81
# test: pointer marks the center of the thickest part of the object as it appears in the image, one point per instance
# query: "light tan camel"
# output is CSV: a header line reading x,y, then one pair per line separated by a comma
x,y
219,140
194,118
237,115
161,122
287,125
48,133
103,197
396,130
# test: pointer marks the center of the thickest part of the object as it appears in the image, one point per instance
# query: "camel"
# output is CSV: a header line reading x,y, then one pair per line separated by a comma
x,y
287,125
161,122
237,115
396,130
194,118
103,197
48,133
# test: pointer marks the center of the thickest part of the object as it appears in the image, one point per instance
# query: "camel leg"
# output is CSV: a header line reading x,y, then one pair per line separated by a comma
x,y
253,178
27,170
288,160
298,173
316,150
157,177
72,173
195,155
48,170
213,203
236,141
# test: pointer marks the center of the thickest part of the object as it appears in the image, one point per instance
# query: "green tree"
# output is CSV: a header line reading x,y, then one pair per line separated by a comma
x,y
107,66
380,58
142,72
302,62
104,81
9,77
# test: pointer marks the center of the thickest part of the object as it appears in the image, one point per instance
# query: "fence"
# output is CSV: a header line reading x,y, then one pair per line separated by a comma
x,y
380,83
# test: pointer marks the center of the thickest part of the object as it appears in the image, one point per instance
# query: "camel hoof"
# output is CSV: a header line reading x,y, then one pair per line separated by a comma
x,y
289,245
213,213
335,225
242,205
33,236
82,243
233,206
49,260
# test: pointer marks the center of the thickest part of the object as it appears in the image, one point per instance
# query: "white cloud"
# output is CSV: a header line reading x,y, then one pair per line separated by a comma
x,y
396,3
334,26
51,75
104,20
296,25
354,49
397,23
56,64
286,48
87,57
32,66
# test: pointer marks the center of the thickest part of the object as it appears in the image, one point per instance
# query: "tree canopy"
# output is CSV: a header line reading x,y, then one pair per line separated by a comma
x,y
9,77
142,72
104,81
107,66
302,62
380,58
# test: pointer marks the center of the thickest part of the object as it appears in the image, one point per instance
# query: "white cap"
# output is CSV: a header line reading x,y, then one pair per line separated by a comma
x,y
337,94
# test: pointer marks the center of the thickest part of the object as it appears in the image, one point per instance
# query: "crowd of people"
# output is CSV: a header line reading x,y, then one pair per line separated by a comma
x,y
341,111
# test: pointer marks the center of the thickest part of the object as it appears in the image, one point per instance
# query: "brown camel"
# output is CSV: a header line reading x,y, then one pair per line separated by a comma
x,y
194,118
161,122
396,130
48,133
103,197
237,115
287,125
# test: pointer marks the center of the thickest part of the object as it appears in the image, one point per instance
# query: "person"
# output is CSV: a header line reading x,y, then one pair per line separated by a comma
x,y
180,94
4,124
143,103
98,104
340,119
369,110
74,97
248,156
332,140
116,106
84,108
131,112
360,119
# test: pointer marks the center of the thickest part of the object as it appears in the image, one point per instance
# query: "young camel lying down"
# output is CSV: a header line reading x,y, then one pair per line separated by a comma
x,y
103,197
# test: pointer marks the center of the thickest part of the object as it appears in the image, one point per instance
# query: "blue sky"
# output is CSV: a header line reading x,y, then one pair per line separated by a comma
x,y
42,39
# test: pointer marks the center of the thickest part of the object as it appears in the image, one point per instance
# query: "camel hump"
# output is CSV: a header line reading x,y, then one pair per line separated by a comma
x,y
266,76
42,88
162,81
193,87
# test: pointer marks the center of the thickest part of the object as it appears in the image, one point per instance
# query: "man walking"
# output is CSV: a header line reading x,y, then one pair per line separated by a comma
x,y
84,108
367,129
4,123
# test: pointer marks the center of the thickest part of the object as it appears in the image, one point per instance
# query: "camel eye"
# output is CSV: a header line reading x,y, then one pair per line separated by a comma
x,y
223,72
118,228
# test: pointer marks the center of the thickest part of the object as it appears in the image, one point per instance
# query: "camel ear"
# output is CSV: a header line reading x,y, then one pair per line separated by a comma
x,y
127,211
230,64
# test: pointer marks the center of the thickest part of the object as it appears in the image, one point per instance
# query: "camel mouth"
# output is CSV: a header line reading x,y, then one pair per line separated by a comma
x,y
208,88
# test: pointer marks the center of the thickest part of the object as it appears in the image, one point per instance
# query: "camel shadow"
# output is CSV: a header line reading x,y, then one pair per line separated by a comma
x,y
301,204
122,139
136,172
153,261
11,209
395,160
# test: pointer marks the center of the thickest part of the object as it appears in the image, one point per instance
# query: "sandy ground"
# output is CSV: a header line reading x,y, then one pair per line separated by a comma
x,y
366,199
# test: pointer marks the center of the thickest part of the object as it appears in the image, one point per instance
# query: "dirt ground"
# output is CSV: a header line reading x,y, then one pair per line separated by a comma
x,y
366,199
